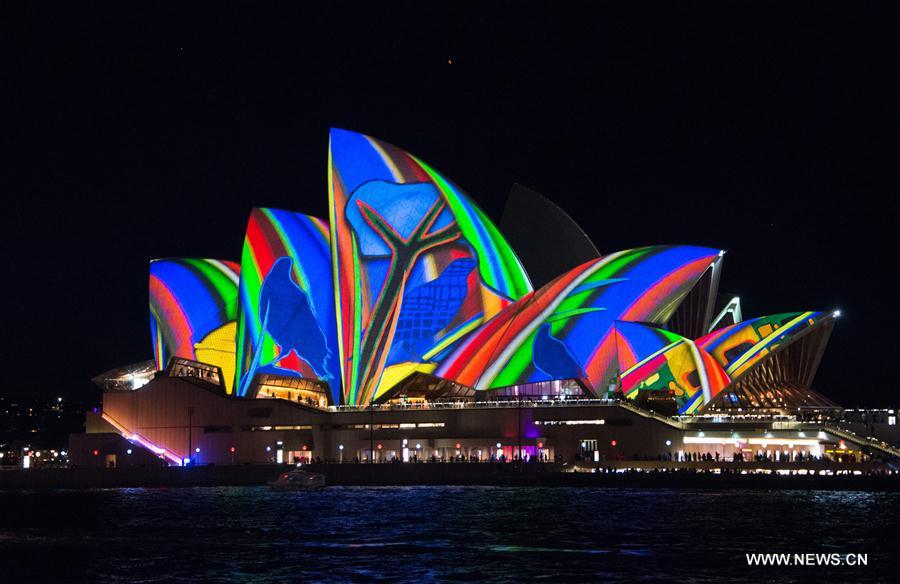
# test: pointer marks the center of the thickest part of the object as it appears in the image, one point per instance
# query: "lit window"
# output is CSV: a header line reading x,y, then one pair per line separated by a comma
x,y
892,420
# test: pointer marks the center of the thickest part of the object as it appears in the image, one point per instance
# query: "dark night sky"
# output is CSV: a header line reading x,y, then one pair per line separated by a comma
x,y
130,134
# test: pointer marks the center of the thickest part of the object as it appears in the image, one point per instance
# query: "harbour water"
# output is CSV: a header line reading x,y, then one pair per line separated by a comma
x,y
466,534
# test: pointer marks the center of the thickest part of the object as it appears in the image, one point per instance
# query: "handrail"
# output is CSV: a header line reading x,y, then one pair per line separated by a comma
x,y
497,404
869,441
675,423
134,436
492,404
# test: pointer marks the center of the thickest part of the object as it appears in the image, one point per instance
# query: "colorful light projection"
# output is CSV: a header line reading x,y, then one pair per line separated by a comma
x,y
739,346
635,342
287,321
193,305
566,329
690,374
413,277
417,265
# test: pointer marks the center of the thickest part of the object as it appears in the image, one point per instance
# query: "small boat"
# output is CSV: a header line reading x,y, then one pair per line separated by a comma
x,y
298,480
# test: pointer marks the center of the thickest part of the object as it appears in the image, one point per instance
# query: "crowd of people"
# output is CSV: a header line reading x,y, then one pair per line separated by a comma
x,y
459,458
737,456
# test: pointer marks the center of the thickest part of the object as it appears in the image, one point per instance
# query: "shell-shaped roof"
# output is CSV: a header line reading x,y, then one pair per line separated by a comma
x,y
190,300
417,265
566,329
287,319
739,346
690,374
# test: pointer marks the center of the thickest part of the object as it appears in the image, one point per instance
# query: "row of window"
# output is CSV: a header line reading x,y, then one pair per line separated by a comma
x,y
229,429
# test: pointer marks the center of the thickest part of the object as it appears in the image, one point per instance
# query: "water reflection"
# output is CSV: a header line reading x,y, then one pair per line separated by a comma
x,y
437,533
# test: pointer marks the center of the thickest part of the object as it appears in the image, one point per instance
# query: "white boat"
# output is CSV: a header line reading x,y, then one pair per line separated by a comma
x,y
298,480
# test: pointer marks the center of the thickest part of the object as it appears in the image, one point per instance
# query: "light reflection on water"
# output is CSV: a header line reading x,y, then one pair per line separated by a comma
x,y
251,534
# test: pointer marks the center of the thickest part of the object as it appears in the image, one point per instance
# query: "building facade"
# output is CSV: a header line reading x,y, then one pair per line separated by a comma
x,y
405,327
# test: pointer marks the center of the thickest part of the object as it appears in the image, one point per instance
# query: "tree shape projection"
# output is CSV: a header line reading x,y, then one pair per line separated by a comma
x,y
396,224
416,264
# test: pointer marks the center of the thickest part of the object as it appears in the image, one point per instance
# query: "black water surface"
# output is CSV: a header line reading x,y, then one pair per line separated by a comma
x,y
464,534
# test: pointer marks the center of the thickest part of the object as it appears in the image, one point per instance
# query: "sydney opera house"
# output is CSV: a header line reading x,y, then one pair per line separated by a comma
x,y
409,326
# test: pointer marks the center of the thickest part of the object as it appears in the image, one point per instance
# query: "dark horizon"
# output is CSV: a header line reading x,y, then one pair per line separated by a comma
x,y
138,135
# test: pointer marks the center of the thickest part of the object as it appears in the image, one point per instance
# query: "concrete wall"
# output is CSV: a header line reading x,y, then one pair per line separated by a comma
x,y
108,450
181,415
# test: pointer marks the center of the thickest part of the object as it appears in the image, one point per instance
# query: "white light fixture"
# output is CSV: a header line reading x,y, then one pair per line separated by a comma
x,y
704,440
773,441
